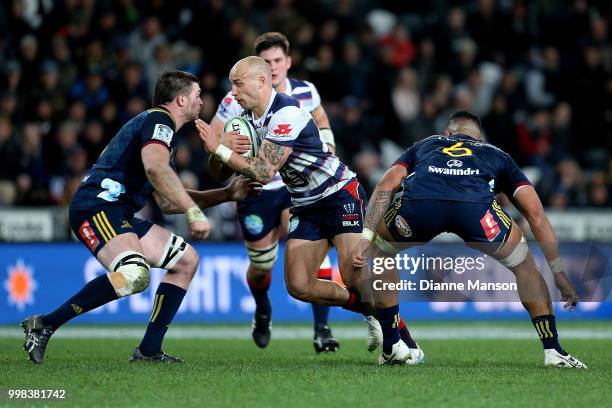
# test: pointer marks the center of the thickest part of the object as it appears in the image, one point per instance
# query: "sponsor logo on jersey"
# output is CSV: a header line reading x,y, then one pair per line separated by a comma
x,y
454,163
489,226
283,130
402,227
253,223
350,219
162,133
453,172
20,285
89,236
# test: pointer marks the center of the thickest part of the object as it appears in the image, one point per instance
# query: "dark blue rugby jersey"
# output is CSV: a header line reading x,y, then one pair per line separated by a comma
x,y
458,168
118,176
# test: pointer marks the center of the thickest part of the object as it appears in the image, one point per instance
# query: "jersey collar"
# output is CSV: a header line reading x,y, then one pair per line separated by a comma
x,y
260,121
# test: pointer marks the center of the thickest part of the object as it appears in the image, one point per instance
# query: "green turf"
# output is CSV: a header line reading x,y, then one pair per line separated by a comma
x,y
289,373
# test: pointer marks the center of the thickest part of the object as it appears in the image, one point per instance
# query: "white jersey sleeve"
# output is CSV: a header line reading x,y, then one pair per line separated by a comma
x,y
286,125
228,108
306,94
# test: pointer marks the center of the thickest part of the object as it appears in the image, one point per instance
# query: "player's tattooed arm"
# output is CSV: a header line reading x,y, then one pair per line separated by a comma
x,y
263,167
260,169
386,188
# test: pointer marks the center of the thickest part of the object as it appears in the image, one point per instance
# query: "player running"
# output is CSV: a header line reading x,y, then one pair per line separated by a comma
x,y
260,217
434,201
137,163
326,196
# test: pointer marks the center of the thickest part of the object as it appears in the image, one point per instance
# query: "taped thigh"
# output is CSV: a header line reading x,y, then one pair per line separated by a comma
x,y
173,251
263,258
518,254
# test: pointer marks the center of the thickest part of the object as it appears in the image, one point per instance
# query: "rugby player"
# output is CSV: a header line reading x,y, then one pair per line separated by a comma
x,y
260,217
327,200
137,163
463,203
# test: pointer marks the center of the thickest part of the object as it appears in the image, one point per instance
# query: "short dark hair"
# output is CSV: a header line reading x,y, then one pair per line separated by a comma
x,y
465,115
171,84
271,40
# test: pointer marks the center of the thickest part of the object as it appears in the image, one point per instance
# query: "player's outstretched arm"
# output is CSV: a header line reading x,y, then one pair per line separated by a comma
x,y
386,188
527,201
155,160
238,189
261,168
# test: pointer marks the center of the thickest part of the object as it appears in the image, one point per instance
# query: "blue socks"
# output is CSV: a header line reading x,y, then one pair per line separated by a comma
x,y
259,289
547,330
95,293
168,299
389,322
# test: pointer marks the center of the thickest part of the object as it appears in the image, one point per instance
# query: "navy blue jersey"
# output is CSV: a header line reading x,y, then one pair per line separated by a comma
x,y
458,168
118,176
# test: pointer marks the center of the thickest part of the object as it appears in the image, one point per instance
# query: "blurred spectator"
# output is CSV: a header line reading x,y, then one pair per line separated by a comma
x,y
538,72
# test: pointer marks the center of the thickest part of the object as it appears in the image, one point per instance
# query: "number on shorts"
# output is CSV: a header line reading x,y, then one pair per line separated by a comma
x,y
113,190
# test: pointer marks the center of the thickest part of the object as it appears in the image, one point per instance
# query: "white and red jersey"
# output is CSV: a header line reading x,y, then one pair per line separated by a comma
x,y
311,172
306,94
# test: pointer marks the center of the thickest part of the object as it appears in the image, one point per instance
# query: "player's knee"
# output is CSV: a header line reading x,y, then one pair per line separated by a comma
x,y
188,264
129,273
263,258
517,256
299,289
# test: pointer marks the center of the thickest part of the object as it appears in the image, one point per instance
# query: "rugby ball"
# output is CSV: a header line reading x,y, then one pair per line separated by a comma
x,y
244,127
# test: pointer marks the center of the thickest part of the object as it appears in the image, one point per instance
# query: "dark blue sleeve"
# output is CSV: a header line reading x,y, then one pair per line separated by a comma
x,y
511,177
158,127
406,159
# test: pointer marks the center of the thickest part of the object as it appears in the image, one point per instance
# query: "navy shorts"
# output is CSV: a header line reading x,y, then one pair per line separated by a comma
x,y
339,213
421,220
260,215
97,226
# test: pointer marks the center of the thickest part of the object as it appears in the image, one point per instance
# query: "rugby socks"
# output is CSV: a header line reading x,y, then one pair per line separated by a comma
x,y
354,302
259,288
389,322
547,330
168,299
319,312
405,335
95,293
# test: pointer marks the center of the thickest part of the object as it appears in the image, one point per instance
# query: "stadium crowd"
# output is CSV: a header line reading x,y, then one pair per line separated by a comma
x,y
389,73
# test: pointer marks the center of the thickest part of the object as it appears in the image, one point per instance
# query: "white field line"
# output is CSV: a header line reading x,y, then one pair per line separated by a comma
x,y
221,333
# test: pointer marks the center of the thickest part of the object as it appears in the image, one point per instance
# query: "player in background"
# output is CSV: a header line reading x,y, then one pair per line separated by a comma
x,y
137,163
261,217
326,196
434,201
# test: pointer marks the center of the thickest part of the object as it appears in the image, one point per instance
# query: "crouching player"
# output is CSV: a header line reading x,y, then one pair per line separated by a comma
x,y
434,201
135,165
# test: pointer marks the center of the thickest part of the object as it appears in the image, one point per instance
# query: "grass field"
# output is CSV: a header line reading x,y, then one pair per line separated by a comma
x,y
233,372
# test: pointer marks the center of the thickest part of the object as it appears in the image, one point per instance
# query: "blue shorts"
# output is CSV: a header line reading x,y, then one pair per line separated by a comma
x,y
97,226
339,213
260,215
421,220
